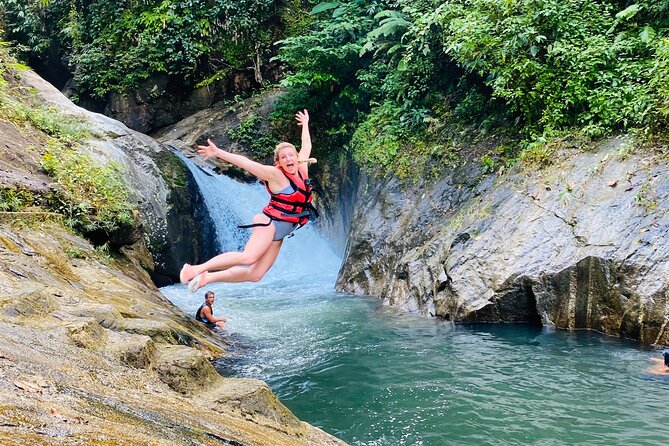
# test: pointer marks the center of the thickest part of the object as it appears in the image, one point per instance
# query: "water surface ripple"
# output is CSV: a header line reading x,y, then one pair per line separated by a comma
x,y
373,376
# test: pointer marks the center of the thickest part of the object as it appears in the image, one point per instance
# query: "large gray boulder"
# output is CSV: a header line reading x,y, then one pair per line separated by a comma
x,y
583,243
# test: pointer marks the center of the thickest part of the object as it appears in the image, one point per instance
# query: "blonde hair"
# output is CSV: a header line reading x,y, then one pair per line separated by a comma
x,y
279,147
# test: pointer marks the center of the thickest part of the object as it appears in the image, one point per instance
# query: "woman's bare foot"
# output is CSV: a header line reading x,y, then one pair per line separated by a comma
x,y
198,282
187,273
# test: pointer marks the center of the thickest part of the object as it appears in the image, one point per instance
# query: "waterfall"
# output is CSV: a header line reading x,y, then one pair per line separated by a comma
x,y
230,203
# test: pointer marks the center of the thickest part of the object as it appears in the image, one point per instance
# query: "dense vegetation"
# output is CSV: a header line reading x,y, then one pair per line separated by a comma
x,y
112,45
405,77
91,196
400,83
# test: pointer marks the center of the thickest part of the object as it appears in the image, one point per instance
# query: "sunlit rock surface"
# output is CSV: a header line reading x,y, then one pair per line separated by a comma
x,y
90,351
92,355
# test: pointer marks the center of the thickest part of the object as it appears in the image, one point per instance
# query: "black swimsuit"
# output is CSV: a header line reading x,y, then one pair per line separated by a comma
x,y
199,317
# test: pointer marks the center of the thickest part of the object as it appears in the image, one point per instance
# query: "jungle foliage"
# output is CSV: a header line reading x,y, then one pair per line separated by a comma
x,y
410,74
112,45
398,83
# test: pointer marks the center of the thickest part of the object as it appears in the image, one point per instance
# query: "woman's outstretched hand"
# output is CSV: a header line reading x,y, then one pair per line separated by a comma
x,y
302,117
208,151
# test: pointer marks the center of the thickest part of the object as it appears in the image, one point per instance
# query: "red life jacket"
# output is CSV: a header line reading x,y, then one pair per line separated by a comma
x,y
294,207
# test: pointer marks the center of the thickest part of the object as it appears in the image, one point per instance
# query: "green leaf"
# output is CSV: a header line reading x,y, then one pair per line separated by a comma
x,y
628,12
325,6
402,65
647,34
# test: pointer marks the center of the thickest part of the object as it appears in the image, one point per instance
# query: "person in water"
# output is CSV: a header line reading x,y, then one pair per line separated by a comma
x,y
206,312
287,182
661,366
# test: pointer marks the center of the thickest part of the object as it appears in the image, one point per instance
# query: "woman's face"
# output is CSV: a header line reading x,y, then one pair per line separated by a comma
x,y
288,159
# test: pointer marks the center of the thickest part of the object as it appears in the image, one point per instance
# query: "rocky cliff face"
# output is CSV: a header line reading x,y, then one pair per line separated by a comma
x,y
581,244
159,183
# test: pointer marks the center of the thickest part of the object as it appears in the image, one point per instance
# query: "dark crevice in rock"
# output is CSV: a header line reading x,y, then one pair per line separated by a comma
x,y
224,441
533,314
516,304
461,238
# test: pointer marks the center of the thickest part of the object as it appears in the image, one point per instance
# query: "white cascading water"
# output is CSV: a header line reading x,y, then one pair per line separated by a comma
x,y
305,265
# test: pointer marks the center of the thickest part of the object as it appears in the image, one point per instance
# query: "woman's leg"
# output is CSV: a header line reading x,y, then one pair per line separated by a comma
x,y
256,246
242,274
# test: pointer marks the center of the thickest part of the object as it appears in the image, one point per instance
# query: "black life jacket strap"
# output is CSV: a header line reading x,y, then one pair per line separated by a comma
x,y
288,202
297,214
253,225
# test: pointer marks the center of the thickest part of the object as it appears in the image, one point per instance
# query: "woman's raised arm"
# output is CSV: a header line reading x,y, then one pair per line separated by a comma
x,y
302,118
262,171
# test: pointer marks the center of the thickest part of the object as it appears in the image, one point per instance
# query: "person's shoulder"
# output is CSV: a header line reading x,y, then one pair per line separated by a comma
x,y
277,172
658,368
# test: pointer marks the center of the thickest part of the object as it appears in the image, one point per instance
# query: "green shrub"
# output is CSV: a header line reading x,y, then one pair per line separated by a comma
x,y
91,196
15,200
250,135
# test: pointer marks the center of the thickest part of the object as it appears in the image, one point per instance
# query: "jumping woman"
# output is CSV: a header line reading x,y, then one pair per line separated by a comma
x,y
289,207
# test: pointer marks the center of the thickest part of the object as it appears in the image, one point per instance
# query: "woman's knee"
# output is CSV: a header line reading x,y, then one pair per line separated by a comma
x,y
247,259
255,276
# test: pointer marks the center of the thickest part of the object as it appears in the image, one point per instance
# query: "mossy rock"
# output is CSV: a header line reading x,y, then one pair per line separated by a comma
x,y
33,303
185,369
86,333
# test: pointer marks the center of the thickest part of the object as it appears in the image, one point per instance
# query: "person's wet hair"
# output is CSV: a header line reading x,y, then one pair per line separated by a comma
x,y
209,293
666,357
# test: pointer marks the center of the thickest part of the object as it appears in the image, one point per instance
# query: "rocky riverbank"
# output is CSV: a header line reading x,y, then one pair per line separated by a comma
x,y
580,244
92,353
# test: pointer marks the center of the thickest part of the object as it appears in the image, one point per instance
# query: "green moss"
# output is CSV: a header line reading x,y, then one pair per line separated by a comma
x,y
91,196
173,170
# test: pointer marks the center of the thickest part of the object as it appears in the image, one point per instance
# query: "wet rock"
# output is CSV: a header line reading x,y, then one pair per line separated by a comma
x,y
558,246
